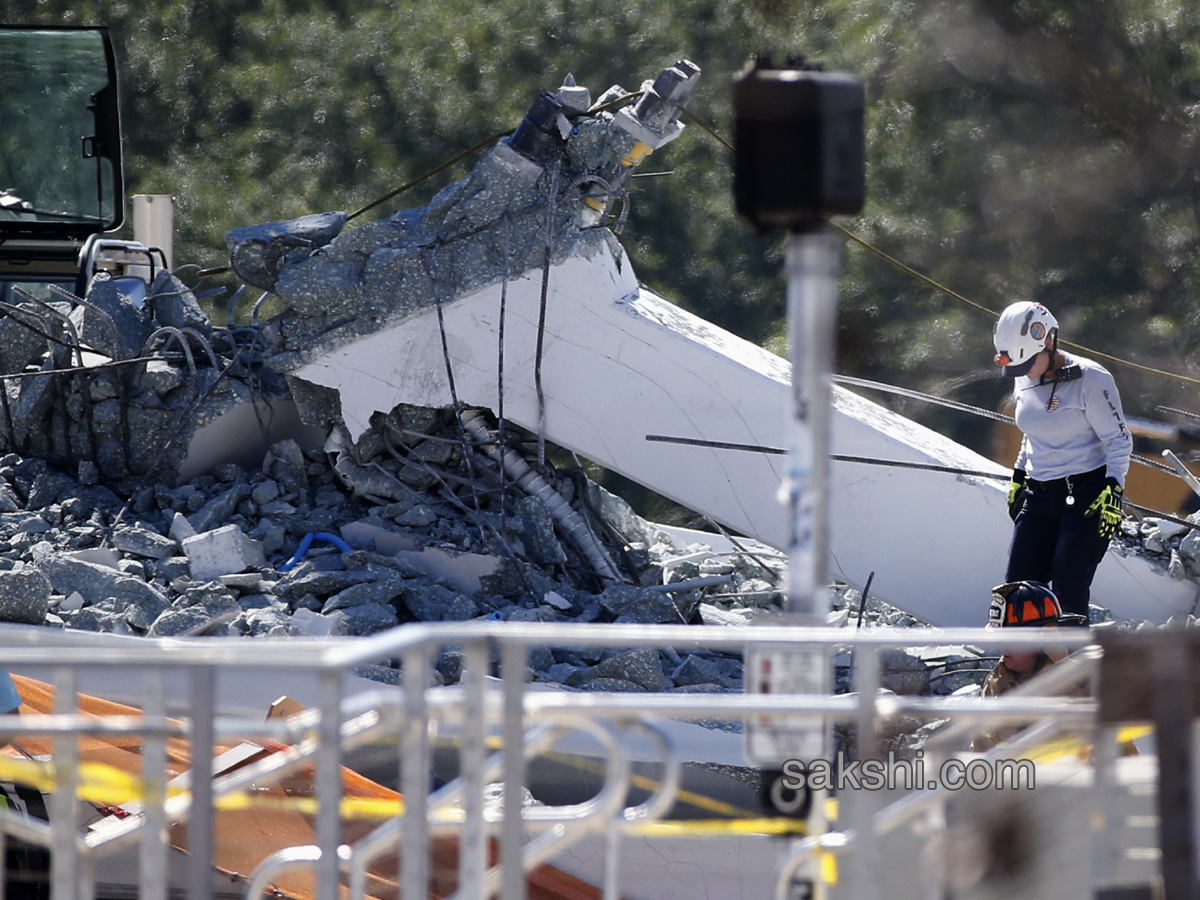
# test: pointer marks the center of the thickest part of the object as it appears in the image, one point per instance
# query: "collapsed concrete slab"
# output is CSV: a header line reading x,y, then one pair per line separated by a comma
x,y
411,312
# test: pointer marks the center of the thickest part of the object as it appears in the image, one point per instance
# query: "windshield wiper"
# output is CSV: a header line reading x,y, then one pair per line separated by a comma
x,y
11,203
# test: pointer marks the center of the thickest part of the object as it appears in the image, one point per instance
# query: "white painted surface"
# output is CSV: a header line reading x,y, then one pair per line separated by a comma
x,y
243,436
620,363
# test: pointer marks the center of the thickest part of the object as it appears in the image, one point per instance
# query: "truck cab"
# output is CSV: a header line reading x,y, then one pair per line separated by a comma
x,y
61,176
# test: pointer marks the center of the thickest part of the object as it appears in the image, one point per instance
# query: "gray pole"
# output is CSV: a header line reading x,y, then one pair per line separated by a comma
x,y
813,262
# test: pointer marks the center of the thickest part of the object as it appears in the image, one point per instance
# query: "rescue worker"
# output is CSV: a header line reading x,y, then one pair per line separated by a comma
x,y
1022,603
1069,476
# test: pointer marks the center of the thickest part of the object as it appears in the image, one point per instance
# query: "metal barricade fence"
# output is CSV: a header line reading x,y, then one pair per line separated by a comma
x,y
526,722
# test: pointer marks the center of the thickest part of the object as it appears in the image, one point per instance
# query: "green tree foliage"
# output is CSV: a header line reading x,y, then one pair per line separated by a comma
x,y
1042,150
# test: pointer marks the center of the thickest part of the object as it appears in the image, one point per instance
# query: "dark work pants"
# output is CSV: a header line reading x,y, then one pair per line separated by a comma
x,y
1056,544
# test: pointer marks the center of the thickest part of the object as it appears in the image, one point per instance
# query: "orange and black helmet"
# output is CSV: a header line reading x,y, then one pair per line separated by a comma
x,y
1023,603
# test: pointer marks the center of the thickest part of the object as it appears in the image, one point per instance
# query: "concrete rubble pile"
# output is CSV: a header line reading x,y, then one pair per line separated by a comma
x,y
211,556
163,563
1173,546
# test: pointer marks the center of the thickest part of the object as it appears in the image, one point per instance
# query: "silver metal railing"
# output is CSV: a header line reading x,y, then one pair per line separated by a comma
x,y
524,722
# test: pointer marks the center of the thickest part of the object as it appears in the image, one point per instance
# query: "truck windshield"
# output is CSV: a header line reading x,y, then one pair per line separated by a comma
x,y
59,165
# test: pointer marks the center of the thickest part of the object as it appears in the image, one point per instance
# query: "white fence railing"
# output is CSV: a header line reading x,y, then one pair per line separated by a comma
x,y
521,721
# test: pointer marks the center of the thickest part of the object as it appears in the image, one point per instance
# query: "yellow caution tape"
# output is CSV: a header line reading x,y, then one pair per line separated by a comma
x,y
1131,733
96,782
717,827
829,867
351,807
108,786
699,801
1073,745
831,809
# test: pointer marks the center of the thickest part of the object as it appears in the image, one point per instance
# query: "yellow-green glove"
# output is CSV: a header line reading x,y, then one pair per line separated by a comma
x,y
1016,493
1108,507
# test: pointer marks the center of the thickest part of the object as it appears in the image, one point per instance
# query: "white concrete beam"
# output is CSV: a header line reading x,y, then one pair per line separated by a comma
x,y
620,363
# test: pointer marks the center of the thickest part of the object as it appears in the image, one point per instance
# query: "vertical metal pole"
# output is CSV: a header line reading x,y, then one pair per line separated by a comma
x,y
1173,733
64,859
612,861
861,804
203,690
473,756
512,659
1106,814
329,782
154,842
813,261
414,775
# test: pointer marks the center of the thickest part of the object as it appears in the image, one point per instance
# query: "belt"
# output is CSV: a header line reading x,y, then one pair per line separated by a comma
x,y
1056,484
1067,483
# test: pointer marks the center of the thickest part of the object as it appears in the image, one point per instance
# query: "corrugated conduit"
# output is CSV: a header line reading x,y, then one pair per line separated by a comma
x,y
571,523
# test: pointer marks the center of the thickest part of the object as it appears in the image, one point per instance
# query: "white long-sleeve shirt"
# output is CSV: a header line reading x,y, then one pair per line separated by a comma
x,y
1084,430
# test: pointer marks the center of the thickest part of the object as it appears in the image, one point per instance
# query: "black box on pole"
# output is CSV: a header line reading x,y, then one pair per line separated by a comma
x,y
799,146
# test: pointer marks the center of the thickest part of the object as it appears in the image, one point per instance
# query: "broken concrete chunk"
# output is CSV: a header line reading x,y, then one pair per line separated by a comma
x,y
555,599
181,528
258,252
537,532
95,582
434,603
47,488
312,285
19,344
143,542
639,605
174,305
711,614
367,618
223,551
95,619
642,667
192,620
111,322
24,596
141,616
249,582
160,377
219,509
265,620
697,670
314,624
381,592
287,466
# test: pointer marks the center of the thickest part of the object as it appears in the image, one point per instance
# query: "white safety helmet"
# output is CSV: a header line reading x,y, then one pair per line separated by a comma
x,y
1020,335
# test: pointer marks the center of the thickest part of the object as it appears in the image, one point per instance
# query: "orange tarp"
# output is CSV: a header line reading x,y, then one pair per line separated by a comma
x,y
242,838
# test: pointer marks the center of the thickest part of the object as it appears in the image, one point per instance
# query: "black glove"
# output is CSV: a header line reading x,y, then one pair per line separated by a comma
x,y
1016,494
